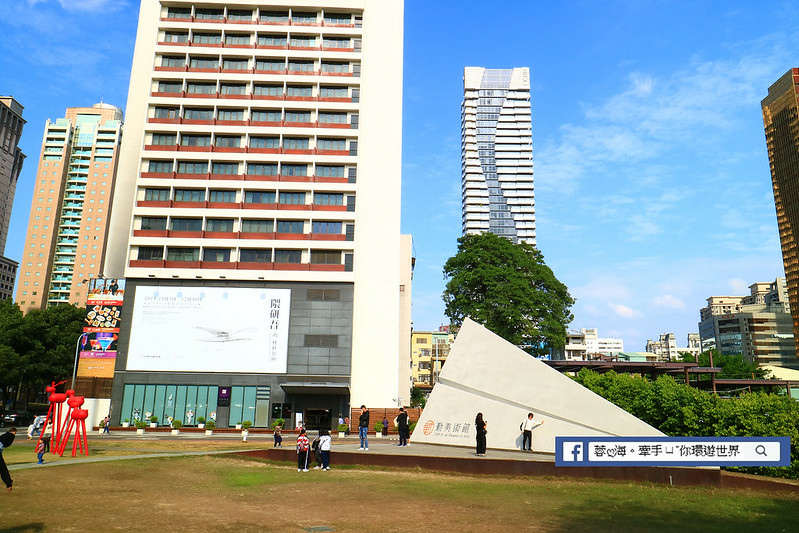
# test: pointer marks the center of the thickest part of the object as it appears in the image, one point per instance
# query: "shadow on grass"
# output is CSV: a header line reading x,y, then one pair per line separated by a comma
x,y
34,526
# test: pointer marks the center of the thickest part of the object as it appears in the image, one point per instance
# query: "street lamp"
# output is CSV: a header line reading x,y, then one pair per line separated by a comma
x,y
75,366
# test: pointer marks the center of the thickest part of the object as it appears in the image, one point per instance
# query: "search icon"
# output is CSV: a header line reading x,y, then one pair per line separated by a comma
x,y
761,450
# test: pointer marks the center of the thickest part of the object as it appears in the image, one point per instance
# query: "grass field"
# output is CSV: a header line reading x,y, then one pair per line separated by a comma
x,y
225,493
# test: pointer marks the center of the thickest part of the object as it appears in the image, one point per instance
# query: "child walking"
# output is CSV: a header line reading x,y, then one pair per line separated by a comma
x,y
278,437
40,452
302,451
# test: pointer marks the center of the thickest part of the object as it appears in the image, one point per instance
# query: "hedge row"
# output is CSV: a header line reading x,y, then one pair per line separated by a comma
x,y
679,410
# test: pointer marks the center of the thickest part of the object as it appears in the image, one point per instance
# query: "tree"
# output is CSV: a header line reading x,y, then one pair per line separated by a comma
x,y
509,289
417,397
733,366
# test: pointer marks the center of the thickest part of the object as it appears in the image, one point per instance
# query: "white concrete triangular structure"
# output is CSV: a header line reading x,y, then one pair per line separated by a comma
x,y
485,373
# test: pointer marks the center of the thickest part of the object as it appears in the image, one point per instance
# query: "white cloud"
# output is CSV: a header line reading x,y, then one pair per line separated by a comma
x,y
624,311
667,300
739,286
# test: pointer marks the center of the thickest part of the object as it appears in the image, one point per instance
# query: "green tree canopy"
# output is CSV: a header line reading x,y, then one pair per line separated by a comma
x,y
509,289
733,366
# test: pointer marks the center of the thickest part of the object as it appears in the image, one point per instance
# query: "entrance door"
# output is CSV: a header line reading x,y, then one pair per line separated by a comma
x,y
317,418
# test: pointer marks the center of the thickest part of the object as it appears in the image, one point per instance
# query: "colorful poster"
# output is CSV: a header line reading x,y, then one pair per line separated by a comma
x,y
98,345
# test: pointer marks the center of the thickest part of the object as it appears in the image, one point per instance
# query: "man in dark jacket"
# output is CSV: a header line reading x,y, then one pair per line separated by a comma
x,y
363,427
402,427
6,439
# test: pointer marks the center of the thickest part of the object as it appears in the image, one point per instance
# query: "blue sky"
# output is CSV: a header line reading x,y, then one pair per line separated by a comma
x,y
652,182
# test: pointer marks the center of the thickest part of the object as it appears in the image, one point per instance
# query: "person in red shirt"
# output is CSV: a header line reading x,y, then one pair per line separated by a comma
x,y
302,451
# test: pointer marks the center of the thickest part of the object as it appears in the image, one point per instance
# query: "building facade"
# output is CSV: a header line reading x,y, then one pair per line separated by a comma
x,y
429,351
757,326
586,344
68,222
781,122
262,165
497,187
11,160
666,346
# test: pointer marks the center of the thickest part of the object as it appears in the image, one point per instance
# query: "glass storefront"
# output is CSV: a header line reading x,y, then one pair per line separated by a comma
x,y
178,402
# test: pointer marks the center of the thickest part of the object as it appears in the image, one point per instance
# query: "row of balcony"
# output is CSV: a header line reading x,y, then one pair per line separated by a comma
x,y
285,22
237,265
258,123
245,177
240,205
244,150
273,236
256,46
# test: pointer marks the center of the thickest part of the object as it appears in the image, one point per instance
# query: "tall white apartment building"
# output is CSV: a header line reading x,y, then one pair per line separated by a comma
x,y
257,212
497,154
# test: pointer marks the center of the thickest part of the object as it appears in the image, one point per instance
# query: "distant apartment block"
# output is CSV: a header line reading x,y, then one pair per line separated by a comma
x,y
11,160
781,122
665,348
429,351
757,326
497,154
586,345
68,222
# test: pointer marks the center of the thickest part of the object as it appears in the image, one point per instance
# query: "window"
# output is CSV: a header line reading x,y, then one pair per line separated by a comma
x,y
259,197
290,226
322,198
209,14
227,141
298,116
150,253
265,142
170,86
189,195
233,88
338,18
222,196
239,14
237,39
192,167
330,171
303,42
291,143
331,144
266,116
262,169
303,18
292,198
288,256
160,166
326,257
193,113
195,140
218,224
275,16
178,13
186,224
321,341
216,255
257,226
256,256
333,118
299,91
204,62
335,67
323,226
176,37
235,64
173,61
271,40
300,66
225,168
294,170
182,254
156,195
324,295
331,42
207,38
201,88
333,92
166,112
270,64
153,223
231,114
164,139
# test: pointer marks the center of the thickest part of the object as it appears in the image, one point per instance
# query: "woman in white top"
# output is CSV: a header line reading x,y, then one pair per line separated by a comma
x,y
324,446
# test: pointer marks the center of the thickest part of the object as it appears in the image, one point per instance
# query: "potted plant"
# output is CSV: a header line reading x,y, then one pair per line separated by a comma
x,y
176,425
209,427
378,429
200,422
126,423
342,430
246,425
140,425
238,424
153,421
279,422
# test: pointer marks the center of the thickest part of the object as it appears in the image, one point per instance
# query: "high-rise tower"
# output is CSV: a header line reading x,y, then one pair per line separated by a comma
x,y
68,222
11,159
257,212
781,120
497,153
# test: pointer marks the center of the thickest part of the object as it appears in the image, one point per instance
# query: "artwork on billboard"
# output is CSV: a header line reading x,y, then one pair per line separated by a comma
x,y
98,347
105,291
209,329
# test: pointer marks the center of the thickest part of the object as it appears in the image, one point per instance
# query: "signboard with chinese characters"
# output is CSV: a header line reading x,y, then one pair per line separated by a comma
x,y
209,329
98,345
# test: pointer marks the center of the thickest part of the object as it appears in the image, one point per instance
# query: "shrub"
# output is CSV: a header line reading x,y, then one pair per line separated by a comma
x,y
177,424
201,420
279,422
154,419
246,424
378,427
210,425
342,427
140,424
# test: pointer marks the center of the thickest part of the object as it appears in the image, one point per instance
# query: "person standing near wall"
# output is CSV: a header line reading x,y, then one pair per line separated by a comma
x,y
402,427
480,428
527,428
363,427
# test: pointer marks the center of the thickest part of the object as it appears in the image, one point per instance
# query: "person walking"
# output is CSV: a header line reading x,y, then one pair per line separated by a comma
x,y
106,425
347,423
527,428
278,436
385,426
363,427
325,442
480,427
302,451
40,452
402,427
6,440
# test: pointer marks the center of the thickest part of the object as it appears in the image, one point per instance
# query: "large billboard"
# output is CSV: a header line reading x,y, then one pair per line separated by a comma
x,y
209,329
98,344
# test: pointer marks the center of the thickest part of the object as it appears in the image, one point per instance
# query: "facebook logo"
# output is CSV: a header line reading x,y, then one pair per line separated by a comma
x,y
572,451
